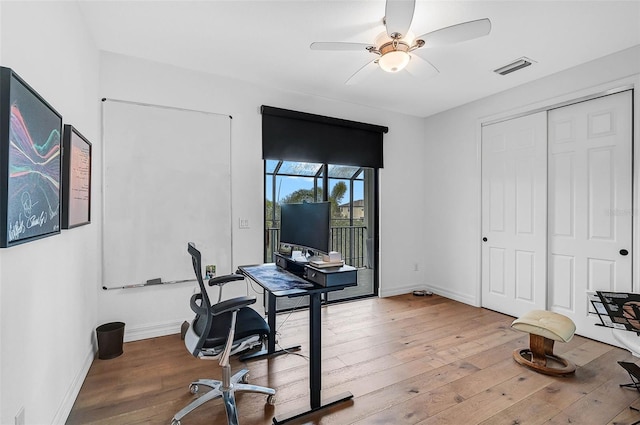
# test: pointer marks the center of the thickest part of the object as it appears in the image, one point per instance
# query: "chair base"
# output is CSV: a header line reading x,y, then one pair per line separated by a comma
x,y
526,357
227,394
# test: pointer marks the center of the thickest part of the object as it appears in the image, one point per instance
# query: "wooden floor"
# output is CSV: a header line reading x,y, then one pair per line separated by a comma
x,y
406,359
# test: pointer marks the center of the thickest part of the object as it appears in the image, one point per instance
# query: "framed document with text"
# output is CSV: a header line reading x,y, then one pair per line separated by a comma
x,y
76,182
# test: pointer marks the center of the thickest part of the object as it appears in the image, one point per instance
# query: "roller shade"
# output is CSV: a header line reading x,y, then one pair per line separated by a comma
x,y
299,136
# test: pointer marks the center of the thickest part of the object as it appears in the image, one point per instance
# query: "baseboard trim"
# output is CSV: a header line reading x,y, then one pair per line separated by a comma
x,y
151,330
456,296
400,290
64,410
407,289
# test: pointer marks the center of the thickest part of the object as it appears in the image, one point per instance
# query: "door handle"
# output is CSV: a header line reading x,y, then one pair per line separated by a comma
x,y
484,239
623,252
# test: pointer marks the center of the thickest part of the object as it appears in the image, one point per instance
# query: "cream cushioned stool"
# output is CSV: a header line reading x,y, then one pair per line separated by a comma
x,y
544,328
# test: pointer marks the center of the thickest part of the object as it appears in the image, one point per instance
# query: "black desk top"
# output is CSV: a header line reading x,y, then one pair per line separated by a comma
x,y
281,282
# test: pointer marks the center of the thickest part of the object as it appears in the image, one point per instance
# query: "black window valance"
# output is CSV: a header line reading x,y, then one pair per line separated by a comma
x,y
299,136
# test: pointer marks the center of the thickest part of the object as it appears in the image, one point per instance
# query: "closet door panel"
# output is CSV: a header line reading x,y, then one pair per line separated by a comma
x,y
590,203
513,194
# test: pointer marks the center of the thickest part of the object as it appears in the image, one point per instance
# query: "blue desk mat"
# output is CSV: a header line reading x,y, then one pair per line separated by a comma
x,y
275,278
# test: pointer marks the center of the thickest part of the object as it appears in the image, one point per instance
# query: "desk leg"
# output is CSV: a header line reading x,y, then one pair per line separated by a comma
x,y
315,366
315,348
271,320
271,340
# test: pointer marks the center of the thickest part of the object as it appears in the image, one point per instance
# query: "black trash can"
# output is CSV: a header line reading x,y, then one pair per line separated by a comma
x,y
110,337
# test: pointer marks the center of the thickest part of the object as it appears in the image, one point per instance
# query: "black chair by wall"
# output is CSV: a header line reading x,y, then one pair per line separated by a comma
x,y
219,331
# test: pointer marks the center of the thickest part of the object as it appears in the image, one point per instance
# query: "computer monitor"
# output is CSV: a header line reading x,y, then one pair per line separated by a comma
x,y
306,225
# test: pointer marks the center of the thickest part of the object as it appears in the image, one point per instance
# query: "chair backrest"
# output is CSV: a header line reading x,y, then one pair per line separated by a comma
x,y
196,260
201,324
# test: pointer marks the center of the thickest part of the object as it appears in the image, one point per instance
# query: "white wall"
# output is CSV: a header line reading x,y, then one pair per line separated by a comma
x,y
131,79
452,166
49,287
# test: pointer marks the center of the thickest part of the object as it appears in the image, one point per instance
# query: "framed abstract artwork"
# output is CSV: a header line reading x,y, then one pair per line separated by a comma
x,y
76,179
30,163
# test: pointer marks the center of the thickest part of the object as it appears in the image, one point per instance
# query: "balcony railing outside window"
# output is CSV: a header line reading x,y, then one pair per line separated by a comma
x,y
347,240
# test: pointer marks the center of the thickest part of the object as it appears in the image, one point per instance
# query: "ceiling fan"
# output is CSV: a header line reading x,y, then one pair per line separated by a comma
x,y
394,49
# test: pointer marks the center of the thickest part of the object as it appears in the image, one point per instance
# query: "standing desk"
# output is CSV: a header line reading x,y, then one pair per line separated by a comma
x,y
278,282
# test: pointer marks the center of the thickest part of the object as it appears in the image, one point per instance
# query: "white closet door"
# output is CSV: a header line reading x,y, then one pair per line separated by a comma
x,y
590,205
514,205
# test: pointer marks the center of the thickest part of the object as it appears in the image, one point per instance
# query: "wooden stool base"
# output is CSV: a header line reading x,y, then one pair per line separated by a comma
x,y
539,357
525,357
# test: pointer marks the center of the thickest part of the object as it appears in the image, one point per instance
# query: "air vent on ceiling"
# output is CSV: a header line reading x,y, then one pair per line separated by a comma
x,y
514,66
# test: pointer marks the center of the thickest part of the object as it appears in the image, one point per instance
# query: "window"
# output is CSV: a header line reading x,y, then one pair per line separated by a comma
x,y
317,158
353,218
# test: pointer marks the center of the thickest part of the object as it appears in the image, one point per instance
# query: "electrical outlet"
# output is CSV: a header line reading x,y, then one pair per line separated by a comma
x,y
244,223
19,419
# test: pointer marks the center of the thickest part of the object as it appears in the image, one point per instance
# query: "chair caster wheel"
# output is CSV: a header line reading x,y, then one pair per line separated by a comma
x,y
271,399
193,389
175,422
245,378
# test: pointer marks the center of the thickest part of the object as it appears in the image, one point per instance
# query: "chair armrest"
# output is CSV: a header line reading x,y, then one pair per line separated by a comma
x,y
232,304
198,308
221,280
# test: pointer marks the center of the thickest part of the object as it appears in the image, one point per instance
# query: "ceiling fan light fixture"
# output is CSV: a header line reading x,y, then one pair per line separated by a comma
x,y
394,45
394,61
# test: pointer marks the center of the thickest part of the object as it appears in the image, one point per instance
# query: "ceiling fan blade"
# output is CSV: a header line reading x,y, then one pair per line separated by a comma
x,y
420,67
339,46
398,15
456,33
363,72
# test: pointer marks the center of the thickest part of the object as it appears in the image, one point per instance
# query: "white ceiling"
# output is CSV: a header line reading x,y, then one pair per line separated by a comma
x,y
267,43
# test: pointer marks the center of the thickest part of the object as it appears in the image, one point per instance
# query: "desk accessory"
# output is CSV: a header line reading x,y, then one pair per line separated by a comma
x,y
335,276
326,264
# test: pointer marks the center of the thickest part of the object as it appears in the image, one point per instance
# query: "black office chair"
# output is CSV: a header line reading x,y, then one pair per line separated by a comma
x,y
218,331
